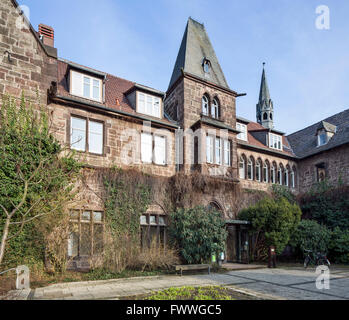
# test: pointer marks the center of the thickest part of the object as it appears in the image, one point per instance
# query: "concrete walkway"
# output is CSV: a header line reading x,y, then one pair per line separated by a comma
x,y
290,284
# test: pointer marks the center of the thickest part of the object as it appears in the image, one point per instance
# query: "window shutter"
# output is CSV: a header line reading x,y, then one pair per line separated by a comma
x,y
160,150
95,137
146,147
76,83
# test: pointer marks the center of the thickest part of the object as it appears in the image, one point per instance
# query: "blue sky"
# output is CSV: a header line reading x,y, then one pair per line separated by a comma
x,y
307,68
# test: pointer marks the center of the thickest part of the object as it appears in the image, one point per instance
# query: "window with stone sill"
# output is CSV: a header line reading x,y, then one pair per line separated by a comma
x,y
86,135
87,229
218,150
86,86
153,149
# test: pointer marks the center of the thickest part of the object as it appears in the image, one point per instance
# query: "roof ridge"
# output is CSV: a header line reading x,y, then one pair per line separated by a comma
x,y
336,114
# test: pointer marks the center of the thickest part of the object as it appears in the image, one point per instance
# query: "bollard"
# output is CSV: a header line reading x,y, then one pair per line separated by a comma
x,y
22,281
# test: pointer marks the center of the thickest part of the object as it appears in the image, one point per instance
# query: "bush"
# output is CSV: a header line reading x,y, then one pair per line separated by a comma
x,y
339,246
273,221
157,258
327,205
310,235
197,233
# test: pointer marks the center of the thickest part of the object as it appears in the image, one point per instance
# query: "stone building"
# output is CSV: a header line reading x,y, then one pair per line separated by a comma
x,y
192,129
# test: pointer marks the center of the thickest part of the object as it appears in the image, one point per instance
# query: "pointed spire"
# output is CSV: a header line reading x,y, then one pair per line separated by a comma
x,y
264,90
265,109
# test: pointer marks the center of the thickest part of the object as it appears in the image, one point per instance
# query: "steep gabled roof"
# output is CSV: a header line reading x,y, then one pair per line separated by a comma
x,y
195,47
304,142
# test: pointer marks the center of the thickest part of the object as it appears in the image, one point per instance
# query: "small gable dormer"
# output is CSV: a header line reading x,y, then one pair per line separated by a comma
x,y
325,132
86,83
146,100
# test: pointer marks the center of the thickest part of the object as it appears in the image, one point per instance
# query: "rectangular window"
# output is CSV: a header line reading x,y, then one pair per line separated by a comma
x,y
243,128
146,147
78,134
275,141
209,149
79,140
218,151
86,237
155,232
95,137
149,105
227,153
160,150
85,86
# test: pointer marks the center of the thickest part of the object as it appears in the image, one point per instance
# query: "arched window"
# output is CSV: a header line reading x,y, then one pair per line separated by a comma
x,y
271,116
286,182
266,172
242,165
215,109
205,105
293,178
250,169
265,116
214,205
273,173
258,170
280,174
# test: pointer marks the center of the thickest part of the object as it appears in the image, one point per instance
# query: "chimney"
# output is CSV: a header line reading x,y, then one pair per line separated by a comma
x,y
47,35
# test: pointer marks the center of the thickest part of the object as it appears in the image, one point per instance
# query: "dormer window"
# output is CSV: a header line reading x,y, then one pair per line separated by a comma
x,y
206,65
148,104
322,139
275,141
243,131
325,132
85,86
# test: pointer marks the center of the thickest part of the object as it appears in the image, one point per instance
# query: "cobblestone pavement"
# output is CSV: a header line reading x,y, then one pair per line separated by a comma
x,y
262,283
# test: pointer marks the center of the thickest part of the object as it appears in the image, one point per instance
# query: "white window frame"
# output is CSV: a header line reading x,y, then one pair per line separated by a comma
x,y
242,127
273,174
155,104
265,173
146,156
209,149
286,176
250,164
205,105
319,142
215,109
293,179
242,171
258,169
218,151
87,133
227,152
280,173
275,141
77,82
149,140
162,160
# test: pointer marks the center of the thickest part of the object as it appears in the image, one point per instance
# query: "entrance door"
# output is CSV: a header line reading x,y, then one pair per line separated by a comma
x,y
231,244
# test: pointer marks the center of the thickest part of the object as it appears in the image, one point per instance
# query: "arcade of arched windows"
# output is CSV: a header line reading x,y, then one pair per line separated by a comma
x,y
267,171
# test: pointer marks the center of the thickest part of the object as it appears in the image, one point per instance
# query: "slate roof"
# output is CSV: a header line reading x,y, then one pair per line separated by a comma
x,y
327,127
195,47
115,90
264,94
253,142
304,142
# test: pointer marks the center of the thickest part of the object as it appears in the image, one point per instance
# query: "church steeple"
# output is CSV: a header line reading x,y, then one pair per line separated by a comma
x,y
265,109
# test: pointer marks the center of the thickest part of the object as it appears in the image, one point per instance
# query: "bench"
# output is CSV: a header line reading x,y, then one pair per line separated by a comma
x,y
193,267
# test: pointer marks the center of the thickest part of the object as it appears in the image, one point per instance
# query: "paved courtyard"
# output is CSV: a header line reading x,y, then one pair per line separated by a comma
x,y
295,284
